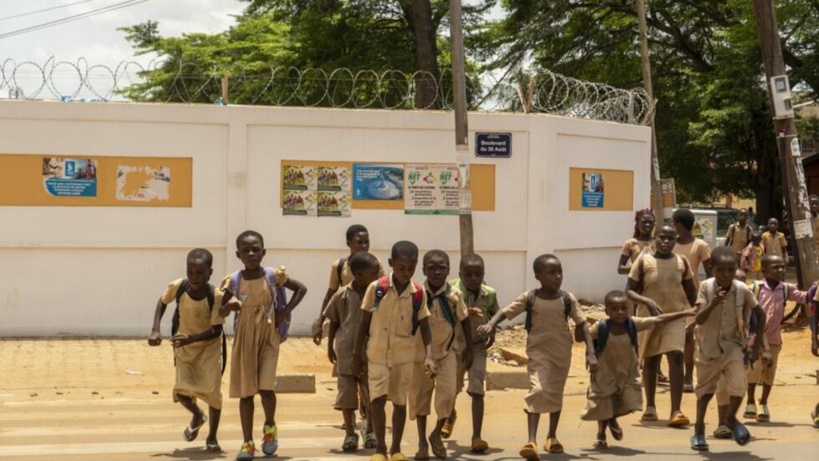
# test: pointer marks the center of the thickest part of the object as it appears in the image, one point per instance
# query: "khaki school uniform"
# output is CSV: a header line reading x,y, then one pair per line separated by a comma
x,y
489,307
774,244
615,389
391,347
255,355
346,274
549,349
344,309
721,339
740,237
445,353
662,282
198,365
633,248
695,252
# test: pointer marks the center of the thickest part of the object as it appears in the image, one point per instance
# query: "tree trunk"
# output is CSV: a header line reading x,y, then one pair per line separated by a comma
x,y
428,77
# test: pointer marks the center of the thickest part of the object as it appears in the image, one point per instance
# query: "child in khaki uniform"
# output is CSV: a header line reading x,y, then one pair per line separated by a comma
x,y
394,308
482,304
614,390
197,357
447,313
773,242
548,347
255,353
345,314
724,309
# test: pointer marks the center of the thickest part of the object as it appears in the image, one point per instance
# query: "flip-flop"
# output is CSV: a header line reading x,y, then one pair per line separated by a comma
x,y
750,411
398,457
663,380
438,448
529,452
741,434
553,446
446,431
723,432
698,443
679,420
191,433
421,455
815,419
213,448
763,416
350,443
617,432
649,415
688,388
479,446
600,444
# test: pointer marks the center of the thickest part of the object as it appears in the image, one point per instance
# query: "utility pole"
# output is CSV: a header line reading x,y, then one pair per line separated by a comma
x,y
461,127
793,173
656,191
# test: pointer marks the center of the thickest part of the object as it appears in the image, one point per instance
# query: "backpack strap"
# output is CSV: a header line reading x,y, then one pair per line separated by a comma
x,y
235,280
567,304
602,336
340,269
211,297
381,290
279,297
446,309
183,287
417,299
631,329
530,301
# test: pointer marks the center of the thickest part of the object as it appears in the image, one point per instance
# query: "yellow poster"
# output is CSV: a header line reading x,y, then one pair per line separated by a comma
x,y
76,180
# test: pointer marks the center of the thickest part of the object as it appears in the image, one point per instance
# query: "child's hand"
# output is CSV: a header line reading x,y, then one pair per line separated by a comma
x,y
180,340
235,304
490,340
280,317
767,359
654,308
317,332
331,354
467,358
430,368
591,362
155,339
475,312
485,330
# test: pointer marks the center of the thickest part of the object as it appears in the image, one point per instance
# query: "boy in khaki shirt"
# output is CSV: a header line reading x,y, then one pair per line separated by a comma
x,y
724,309
395,308
447,313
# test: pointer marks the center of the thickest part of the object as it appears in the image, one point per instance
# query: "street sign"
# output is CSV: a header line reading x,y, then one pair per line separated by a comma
x,y
493,145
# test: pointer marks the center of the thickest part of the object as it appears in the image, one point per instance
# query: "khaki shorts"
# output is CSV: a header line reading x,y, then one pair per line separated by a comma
x,y
476,375
349,389
760,373
420,397
728,367
394,381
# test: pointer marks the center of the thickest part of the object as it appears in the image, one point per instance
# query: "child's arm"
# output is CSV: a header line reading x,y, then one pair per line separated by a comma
x,y
622,266
705,312
426,336
591,357
155,339
690,290
488,330
796,295
761,340
331,336
466,324
299,290
360,340
632,289
183,340
675,315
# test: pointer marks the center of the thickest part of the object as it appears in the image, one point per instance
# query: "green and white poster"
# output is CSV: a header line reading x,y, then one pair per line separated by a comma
x,y
431,189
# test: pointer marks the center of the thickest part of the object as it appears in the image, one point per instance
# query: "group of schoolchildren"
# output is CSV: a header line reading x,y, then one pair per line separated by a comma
x,y
392,339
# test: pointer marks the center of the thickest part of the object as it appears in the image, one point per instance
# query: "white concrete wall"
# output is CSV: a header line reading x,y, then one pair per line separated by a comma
x,y
99,271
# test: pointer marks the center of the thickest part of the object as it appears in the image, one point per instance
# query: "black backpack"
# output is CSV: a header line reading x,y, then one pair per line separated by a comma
x,y
603,327
183,287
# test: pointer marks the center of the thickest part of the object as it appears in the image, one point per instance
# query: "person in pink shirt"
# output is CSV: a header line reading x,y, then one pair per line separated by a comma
x,y
772,292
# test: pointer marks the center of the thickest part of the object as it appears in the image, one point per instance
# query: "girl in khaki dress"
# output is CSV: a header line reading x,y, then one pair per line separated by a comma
x,y
548,347
255,353
640,242
662,282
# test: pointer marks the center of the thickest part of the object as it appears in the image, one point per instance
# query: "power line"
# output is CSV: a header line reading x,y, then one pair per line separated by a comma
x,y
75,17
46,9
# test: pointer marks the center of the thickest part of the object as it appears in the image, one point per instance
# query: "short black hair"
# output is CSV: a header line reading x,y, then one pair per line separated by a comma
x,y
472,258
200,254
541,261
768,259
667,226
404,249
615,294
685,217
355,229
249,233
723,252
435,253
362,261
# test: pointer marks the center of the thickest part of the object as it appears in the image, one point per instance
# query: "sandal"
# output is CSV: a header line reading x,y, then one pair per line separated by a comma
x,y
600,444
438,448
213,447
616,432
698,443
446,431
421,455
650,414
369,439
763,416
750,411
688,388
479,446
190,433
679,420
529,452
723,432
741,434
553,446
662,380
350,443
398,457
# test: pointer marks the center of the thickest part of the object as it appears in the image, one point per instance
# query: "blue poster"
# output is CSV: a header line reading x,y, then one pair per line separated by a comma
x,y
378,182
66,177
593,194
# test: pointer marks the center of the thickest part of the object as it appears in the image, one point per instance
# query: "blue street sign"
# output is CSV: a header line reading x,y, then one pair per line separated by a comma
x,y
493,145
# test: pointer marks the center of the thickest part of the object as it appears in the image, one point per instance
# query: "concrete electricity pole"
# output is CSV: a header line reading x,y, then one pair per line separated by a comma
x,y
796,194
656,192
461,126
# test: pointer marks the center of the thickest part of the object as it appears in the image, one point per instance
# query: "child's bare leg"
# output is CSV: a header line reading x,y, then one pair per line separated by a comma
x,y
214,415
766,392
702,408
722,413
269,406
554,418
349,421
435,435
477,415
379,421
689,358
454,414
650,366
675,375
731,412
246,409
421,421
532,419
188,403
399,418
601,429
751,393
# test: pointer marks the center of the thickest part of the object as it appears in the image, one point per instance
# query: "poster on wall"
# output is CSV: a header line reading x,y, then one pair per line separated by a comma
x,y
593,193
70,177
300,184
335,189
431,189
143,183
378,182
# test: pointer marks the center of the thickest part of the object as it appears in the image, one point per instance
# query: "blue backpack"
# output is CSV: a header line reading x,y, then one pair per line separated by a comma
x,y
278,295
603,327
183,287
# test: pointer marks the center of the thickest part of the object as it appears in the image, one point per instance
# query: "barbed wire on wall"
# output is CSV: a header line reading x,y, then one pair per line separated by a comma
x,y
542,92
